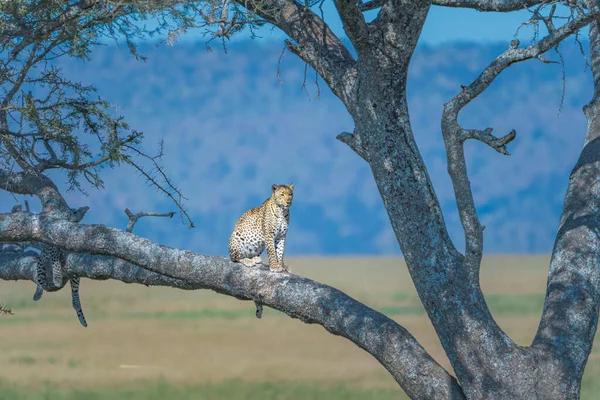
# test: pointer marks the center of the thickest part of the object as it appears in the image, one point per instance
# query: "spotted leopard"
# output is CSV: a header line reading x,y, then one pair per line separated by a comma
x,y
51,259
260,227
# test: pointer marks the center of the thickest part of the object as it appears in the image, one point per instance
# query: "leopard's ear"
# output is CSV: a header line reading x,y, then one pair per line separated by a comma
x,y
291,186
274,187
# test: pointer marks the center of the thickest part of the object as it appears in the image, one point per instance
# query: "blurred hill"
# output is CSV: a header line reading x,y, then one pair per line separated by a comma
x,y
231,129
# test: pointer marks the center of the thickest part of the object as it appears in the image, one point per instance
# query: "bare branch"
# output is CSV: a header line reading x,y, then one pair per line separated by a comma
x,y
514,55
491,5
485,136
5,310
454,134
37,185
134,217
311,302
169,189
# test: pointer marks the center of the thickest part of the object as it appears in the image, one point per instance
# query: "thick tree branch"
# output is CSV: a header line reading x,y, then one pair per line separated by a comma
x,y
353,22
455,135
398,351
491,5
39,185
369,5
397,28
316,44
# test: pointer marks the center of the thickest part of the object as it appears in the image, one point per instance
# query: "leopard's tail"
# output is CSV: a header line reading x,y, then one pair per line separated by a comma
x,y
259,310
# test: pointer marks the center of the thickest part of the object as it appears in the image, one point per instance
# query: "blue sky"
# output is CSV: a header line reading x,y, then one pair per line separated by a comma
x,y
231,130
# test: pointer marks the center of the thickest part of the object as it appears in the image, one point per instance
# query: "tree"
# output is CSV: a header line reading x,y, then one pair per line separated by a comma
x,y
37,124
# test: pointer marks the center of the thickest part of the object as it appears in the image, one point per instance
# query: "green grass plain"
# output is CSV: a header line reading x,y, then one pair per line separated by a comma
x,y
163,343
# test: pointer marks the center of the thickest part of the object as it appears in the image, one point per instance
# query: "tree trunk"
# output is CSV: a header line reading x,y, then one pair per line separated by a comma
x,y
487,363
570,317
485,360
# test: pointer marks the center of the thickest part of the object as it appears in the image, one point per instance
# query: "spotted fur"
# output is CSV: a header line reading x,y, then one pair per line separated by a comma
x,y
52,260
263,226
260,227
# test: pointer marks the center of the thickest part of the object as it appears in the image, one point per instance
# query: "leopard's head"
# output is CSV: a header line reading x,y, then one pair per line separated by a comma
x,y
283,195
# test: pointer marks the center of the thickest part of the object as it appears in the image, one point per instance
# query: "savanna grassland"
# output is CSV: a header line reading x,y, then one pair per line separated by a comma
x,y
163,343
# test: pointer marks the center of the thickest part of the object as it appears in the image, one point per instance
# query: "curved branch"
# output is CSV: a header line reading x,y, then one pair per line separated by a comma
x,y
513,55
392,345
454,135
37,184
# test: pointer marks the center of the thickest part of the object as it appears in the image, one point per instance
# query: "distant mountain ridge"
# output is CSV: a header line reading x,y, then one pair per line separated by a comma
x,y
231,130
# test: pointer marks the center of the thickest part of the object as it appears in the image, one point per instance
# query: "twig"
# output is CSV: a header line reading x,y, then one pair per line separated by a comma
x,y
134,217
4,310
485,136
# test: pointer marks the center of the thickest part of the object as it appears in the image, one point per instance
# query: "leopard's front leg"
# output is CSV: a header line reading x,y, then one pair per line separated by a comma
x,y
279,249
274,264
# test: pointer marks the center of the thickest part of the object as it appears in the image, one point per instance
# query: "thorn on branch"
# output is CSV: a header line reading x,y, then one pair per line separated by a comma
x,y
134,217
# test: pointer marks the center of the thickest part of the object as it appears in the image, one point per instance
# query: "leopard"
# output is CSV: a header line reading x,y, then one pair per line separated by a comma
x,y
260,227
263,226
51,259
